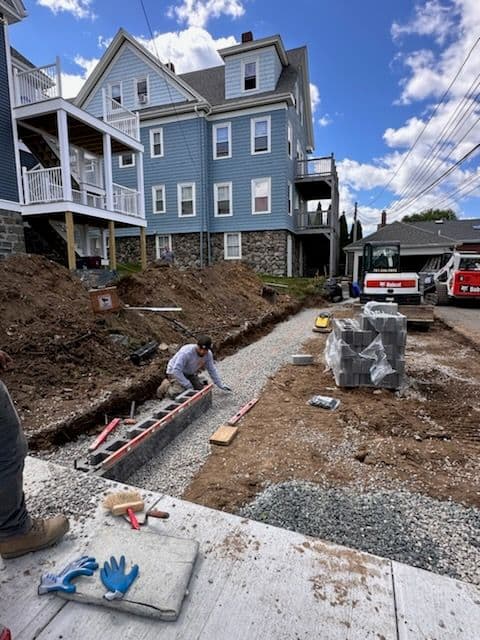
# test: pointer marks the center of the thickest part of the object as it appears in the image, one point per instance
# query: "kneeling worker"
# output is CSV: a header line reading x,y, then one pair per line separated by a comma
x,y
184,366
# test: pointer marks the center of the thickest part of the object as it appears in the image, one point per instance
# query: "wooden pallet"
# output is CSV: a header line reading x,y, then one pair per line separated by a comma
x,y
224,435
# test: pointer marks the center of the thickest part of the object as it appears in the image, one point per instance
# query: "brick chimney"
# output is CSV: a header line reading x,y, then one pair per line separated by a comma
x,y
383,220
247,36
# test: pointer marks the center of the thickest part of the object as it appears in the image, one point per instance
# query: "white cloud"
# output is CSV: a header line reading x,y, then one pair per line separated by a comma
x,y
103,42
431,18
71,82
324,120
189,50
314,97
196,13
78,8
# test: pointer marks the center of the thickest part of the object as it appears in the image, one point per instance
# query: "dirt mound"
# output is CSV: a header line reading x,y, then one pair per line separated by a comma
x,y
68,360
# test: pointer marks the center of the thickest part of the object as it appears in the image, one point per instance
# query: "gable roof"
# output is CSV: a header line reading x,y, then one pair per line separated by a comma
x,y
467,230
21,59
119,40
406,233
14,10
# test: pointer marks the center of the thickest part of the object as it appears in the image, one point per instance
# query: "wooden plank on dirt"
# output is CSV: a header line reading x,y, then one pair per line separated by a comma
x,y
433,606
224,435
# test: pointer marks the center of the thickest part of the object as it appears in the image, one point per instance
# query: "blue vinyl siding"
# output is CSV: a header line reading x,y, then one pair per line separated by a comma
x,y
268,72
242,167
125,68
8,169
184,143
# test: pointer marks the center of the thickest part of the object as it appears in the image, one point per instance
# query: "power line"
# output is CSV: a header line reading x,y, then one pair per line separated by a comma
x,y
427,123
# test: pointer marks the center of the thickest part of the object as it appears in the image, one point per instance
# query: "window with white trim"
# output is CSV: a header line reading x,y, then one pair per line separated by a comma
x,y
222,196
290,197
250,72
186,199
126,160
232,246
115,91
158,199
300,154
261,195
141,91
162,242
260,134
289,140
156,143
222,140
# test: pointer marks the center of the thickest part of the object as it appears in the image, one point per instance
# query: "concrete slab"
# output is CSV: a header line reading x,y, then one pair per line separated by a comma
x,y
250,580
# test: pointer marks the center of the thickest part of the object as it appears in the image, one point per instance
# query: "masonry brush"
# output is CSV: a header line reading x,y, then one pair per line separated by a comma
x,y
125,502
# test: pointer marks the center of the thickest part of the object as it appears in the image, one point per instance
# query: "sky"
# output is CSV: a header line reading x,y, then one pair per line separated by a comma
x,y
395,86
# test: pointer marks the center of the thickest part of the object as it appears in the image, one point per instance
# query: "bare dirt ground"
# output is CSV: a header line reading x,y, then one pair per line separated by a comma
x,y
70,368
426,439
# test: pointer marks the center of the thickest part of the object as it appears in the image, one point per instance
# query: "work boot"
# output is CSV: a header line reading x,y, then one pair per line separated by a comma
x,y
163,389
44,533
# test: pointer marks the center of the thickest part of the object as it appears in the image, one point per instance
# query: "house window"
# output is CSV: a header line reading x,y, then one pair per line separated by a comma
x,y
156,143
289,140
260,135
290,198
116,92
126,160
261,195
250,75
222,141
186,199
232,246
162,242
158,199
141,91
222,195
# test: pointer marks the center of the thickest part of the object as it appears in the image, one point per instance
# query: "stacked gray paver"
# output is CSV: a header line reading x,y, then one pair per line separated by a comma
x,y
352,354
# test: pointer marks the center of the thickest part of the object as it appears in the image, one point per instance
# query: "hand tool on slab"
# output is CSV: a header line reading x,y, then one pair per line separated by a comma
x,y
104,434
151,513
125,502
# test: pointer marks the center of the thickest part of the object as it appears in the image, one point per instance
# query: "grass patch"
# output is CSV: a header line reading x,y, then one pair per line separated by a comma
x,y
127,268
300,288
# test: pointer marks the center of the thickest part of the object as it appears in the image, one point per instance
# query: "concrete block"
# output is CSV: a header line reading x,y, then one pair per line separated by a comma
x,y
302,358
361,365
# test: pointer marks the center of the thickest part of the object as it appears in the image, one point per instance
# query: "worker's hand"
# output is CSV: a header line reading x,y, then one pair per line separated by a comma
x,y
5,361
225,387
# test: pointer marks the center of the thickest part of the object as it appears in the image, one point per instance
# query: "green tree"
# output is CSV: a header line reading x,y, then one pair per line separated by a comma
x,y
431,214
359,231
343,239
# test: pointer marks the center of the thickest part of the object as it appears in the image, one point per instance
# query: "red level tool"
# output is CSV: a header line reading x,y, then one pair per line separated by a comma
x,y
103,435
241,412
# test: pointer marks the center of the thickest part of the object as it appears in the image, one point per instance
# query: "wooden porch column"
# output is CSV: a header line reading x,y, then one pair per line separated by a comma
x,y
143,248
140,184
112,249
64,154
107,167
72,263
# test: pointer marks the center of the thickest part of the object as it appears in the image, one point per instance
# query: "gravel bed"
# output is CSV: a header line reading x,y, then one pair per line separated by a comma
x,y
443,537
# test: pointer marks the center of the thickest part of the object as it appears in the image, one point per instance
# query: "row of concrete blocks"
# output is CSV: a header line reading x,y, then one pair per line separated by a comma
x,y
143,451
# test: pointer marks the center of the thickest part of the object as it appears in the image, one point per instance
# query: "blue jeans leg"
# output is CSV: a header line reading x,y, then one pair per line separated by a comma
x,y
14,518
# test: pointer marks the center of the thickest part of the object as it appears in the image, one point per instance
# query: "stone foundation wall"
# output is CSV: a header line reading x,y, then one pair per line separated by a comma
x,y
12,238
264,251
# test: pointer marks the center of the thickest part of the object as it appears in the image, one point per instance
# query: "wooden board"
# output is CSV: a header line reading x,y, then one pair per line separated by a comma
x,y
224,435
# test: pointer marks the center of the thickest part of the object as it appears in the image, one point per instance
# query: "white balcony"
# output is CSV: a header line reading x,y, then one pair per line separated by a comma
x,y
37,85
45,187
121,118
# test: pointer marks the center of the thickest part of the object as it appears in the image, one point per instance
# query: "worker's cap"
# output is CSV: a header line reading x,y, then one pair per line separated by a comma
x,y
204,342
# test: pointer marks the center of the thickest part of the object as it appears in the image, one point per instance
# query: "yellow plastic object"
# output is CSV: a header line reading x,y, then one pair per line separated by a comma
x,y
323,322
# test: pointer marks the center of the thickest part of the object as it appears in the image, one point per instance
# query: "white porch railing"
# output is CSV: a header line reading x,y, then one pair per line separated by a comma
x,y
36,85
121,118
125,200
89,199
315,167
43,185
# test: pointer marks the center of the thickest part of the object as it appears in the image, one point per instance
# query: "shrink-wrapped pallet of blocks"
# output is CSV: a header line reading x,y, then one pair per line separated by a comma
x,y
369,351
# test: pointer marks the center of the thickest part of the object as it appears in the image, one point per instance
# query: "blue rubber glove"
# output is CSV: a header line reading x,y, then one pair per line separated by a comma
x,y
225,387
114,578
84,566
